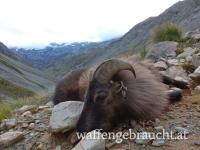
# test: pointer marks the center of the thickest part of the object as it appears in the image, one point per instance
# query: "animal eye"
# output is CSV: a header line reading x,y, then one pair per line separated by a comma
x,y
101,96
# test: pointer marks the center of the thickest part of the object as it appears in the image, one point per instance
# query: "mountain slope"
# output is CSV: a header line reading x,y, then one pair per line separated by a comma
x,y
7,52
186,14
15,76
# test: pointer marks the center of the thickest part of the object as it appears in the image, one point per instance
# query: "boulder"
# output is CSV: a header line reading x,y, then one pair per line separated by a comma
x,y
173,62
197,90
196,60
176,89
9,123
187,52
158,142
194,35
143,138
159,128
182,130
197,70
175,71
178,78
165,49
161,65
9,138
97,143
196,75
27,114
65,116
31,108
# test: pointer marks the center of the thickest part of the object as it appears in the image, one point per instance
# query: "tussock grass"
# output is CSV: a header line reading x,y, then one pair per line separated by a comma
x,y
7,107
143,52
166,32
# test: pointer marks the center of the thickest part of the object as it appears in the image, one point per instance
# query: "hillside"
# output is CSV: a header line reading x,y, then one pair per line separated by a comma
x,y
39,125
186,14
18,79
7,52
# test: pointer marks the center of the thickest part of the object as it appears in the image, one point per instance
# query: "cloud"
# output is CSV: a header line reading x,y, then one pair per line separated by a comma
x,y
39,22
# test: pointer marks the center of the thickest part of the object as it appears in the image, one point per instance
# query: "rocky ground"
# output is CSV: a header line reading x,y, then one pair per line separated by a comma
x,y
48,127
30,130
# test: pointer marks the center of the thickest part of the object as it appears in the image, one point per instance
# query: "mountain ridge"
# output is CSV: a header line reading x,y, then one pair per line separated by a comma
x,y
186,14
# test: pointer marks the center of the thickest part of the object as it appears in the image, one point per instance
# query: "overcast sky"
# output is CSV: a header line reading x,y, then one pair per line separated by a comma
x,y
38,22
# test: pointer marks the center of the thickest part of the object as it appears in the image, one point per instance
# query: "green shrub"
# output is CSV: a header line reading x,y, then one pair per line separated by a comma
x,y
143,52
188,67
166,32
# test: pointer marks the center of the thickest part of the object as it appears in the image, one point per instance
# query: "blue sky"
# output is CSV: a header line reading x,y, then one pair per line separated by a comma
x,y
35,23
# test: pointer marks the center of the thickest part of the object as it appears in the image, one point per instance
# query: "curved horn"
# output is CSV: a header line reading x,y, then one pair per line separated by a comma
x,y
109,68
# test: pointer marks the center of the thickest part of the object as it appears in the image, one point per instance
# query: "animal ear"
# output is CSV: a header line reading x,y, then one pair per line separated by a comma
x,y
118,88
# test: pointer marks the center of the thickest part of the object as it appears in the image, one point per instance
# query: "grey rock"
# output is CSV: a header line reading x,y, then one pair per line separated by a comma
x,y
43,107
10,138
58,147
161,65
91,144
191,34
173,62
50,104
196,60
196,75
2,126
65,116
163,49
143,138
197,90
10,123
29,146
197,45
188,58
27,114
175,71
197,143
186,52
197,70
24,125
31,126
157,120
178,78
182,130
159,128
196,37
37,121
158,142
25,108
176,89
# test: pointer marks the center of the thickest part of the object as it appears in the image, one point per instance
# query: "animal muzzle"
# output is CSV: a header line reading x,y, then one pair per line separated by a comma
x,y
92,120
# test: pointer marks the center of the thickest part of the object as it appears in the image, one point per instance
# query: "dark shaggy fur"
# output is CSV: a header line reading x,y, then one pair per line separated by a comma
x,y
68,88
146,98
